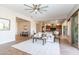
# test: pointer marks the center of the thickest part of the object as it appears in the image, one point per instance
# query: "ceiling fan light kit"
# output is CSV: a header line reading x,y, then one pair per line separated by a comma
x,y
36,8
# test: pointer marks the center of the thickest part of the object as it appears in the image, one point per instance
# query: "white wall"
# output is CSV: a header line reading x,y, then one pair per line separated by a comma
x,y
33,27
69,28
8,36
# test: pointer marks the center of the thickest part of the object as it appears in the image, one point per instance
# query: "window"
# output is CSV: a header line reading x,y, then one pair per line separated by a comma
x,y
4,24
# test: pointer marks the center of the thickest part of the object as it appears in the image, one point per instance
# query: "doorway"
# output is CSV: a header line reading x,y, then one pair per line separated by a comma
x,y
23,29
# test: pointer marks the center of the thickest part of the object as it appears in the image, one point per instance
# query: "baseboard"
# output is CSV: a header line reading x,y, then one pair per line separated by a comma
x,y
6,42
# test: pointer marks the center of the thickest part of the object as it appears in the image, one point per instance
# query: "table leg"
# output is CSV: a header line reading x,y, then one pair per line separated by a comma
x,y
43,41
54,39
33,40
59,40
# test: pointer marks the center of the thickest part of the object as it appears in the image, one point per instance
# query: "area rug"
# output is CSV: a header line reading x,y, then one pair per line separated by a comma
x,y
36,48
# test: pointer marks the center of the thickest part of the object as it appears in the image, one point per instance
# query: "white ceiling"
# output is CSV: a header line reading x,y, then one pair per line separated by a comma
x,y
54,11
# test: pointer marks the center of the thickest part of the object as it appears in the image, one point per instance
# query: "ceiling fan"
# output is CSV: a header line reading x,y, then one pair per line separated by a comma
x,y
36,8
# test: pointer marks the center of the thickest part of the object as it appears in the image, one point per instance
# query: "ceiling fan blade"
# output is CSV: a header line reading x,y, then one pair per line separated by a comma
x,y
28,6
28,9
39,5
43,7
31,11
43,10
40,12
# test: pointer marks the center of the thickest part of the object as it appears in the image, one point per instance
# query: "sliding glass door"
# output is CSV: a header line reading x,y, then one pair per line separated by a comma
x,y
74,30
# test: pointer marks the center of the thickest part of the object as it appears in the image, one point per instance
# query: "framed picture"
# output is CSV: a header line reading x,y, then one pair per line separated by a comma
x,y
4,24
